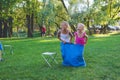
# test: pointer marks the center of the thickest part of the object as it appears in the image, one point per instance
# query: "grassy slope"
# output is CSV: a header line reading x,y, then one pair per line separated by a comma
x,y
101,55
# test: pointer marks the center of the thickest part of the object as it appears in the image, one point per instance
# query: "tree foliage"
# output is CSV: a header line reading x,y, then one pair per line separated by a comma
x,y
27,14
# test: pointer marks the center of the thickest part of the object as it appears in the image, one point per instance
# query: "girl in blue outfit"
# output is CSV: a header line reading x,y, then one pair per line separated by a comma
x,y
65,36
80,41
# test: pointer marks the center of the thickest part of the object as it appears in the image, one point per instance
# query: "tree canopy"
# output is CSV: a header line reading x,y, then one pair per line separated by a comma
x,y
28,15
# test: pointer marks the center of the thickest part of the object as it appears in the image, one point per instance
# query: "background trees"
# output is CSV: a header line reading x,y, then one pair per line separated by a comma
x,y
6,17
26,15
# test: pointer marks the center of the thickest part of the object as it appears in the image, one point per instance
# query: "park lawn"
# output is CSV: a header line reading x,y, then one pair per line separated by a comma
x,y
102,55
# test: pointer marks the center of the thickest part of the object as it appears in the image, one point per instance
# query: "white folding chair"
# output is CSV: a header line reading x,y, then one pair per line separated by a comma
x,y
49,56
8,46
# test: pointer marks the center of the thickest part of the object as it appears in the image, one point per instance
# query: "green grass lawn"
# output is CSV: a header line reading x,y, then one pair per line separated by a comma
x,y
102,55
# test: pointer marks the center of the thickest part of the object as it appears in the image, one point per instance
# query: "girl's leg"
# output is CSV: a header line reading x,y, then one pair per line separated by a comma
x,y
1,55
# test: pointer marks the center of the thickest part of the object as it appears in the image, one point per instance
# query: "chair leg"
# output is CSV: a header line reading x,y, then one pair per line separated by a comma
x,y
54,59
3,51
8,46
46,61
11,50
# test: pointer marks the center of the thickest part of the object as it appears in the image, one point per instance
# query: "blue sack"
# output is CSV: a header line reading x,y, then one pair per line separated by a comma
x,y
72,54
1,48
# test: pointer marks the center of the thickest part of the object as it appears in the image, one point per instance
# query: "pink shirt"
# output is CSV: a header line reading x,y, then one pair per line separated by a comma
x,y
80,40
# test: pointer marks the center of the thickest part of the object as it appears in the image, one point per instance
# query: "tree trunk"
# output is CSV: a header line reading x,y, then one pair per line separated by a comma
x,y
110,4
57,25
105,29
72,27
28,19
101,30
88,26
40,29
5,29
94,29
65,6
32,22
10,26
0,28
29,26
48,30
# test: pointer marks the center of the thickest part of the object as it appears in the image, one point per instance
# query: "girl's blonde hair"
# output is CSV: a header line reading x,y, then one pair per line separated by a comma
x,y
65,23
80,25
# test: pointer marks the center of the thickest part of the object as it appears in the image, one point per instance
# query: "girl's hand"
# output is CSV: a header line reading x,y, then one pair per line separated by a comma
x,y
64,42
85,40
74,42
70,42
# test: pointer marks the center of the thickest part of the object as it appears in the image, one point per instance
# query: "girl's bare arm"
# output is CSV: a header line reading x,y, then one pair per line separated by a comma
x,y
70,36
59,37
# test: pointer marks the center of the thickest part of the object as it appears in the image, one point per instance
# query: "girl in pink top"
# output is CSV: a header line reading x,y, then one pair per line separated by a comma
x,y
80,35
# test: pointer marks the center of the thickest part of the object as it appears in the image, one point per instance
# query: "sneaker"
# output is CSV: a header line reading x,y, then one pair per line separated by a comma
x,y
1,60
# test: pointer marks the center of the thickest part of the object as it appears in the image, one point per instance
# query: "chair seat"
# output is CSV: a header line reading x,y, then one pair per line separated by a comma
x,y
7,45
50,56
48,53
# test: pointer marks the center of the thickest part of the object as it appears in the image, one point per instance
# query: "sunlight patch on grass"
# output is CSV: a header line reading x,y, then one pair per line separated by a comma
x,y
115,32
97,39
101,35
40,39
49,40
107,35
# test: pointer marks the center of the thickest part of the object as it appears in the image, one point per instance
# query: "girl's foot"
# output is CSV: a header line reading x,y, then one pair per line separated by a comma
x,y
1,59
